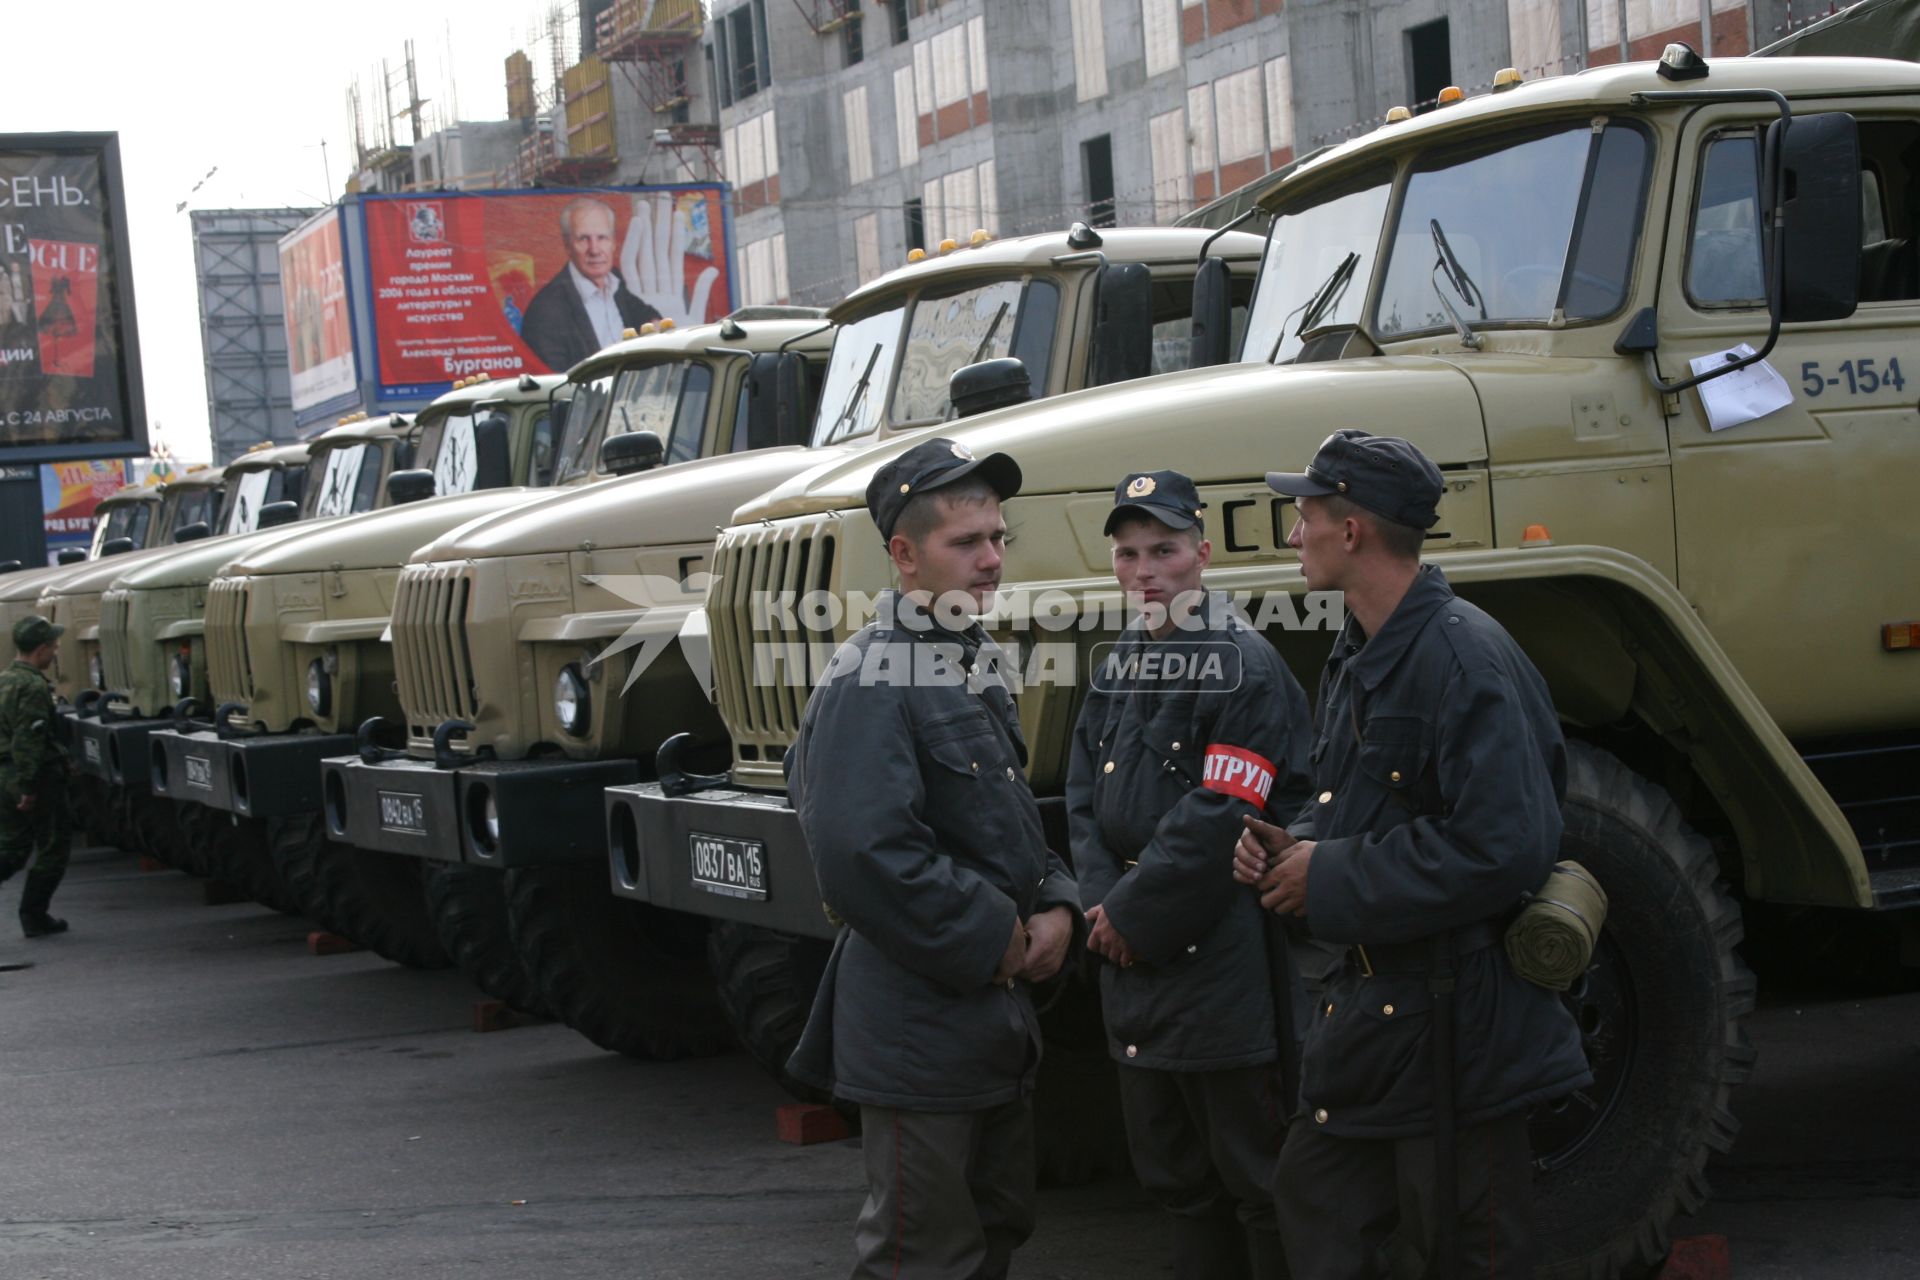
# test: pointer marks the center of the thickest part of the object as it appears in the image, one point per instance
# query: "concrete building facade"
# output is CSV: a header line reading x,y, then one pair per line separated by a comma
x,y
855,130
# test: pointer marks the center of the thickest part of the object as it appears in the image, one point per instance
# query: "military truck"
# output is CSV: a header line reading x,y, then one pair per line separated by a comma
x,y
301,657
1552,289
539,672
125,691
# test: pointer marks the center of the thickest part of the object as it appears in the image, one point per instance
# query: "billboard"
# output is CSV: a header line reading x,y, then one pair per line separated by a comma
x,y
313,290
511,282
69,360
69,491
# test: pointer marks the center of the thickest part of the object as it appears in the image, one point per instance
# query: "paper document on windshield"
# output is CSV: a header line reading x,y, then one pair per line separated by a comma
x,y
1744,394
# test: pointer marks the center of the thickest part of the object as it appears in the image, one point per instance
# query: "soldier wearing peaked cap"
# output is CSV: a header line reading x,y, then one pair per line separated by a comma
x,y
1439,772
906,777
1190,723
35,830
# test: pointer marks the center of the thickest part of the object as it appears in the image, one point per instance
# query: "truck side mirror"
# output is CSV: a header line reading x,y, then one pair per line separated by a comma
x,y
192,532
1820,267
409,486
13,566
68,555
557,410
1212,314
990,384
492,453
115,546
1123,324
635,451
777,399
276,513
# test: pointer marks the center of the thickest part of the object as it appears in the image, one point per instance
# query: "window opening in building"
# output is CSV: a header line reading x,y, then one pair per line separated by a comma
x,y
1096,162
916,225
1429,62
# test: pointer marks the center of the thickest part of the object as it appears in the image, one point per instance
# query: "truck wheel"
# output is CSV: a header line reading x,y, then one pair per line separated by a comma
x,y
237,853
96,814
1663,1013
1078,1134
469,906
157,822
375,899
294,846
628,976
766,981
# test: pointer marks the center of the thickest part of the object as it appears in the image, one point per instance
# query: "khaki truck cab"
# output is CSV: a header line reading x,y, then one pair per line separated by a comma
x,y
295,631
123,522
576,677
1552,290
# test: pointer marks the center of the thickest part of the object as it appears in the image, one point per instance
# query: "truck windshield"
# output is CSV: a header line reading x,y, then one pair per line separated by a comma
x,y
127,521
668,399
339,475
583,428
456,463
1318,267
858,373
246,494
198,505
1512,215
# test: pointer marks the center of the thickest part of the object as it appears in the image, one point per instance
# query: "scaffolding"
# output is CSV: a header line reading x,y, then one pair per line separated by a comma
x,y
236,254
651,42
826,16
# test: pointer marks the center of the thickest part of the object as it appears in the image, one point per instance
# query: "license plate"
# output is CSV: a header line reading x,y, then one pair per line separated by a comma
x,y
90,748
403,811
729,867
200,772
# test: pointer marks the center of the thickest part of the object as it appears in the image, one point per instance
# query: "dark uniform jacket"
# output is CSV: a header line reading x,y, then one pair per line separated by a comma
x,y
1438,814
556,326
1161,775
30,758
906,777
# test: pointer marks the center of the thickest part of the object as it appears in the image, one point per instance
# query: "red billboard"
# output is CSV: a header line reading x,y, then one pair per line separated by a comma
x,y
69,363
511,283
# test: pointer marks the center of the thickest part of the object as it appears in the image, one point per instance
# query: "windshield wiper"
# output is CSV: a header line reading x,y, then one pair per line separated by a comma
x,y
980,351
855,396
1328,295
1462,284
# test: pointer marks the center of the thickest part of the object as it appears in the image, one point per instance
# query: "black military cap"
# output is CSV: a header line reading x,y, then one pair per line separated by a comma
x,y
1385,474
1167,496
934,464
33,631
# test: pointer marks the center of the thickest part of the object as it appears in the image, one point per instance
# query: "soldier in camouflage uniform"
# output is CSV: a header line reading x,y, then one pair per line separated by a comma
x,y
34,815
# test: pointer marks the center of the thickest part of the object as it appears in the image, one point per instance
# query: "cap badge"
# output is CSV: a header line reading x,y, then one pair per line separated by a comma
x,y
961,451
1141,487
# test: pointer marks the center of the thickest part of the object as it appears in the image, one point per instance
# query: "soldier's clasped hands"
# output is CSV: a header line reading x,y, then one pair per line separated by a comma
x,y
1271,860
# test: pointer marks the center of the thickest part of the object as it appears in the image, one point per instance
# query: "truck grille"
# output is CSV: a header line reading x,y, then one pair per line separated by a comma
x,y
116,657
430,655
763,669
229,669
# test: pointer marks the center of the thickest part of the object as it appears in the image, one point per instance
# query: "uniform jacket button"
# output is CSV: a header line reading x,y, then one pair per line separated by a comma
x,y
1320,1116
1192,947
1396,775
1387,1009
1109,767
1010,984
1176,746
1133,1051
1326,797
976,766
1009,773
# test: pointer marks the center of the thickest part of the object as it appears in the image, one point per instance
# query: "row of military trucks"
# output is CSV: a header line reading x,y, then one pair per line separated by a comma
x,y
492,692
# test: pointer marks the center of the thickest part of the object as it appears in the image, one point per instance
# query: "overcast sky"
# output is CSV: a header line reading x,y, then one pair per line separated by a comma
x,y
248,87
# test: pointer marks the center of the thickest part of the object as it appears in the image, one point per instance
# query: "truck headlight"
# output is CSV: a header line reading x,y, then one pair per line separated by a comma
x,y
319,687
570,701
96,671
490,819
180,677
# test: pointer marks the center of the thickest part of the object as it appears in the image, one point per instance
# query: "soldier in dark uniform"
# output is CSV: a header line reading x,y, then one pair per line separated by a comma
x,y
907,779
1191,722
1439,773
34,816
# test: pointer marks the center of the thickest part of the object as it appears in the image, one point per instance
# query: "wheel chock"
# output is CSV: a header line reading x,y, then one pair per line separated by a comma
x,y
805,1123
1698,1258
221,893
322,943
498,1015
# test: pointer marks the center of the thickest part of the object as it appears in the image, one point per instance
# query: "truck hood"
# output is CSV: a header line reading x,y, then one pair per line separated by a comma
x,y
380,539
680,503
197,563
29,584
1218,425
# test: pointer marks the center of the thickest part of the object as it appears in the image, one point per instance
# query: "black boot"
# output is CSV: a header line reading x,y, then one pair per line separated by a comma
x,y
40,925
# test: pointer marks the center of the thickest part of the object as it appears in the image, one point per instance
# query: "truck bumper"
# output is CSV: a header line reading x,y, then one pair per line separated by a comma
x,y
542,811
729,855
272,776
113,750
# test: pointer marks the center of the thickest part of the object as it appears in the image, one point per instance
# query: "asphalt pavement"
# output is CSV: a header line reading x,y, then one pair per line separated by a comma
x,y
187,1094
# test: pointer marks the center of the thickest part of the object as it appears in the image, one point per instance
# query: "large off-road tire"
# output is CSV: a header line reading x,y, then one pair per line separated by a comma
x,y
162,835
237,853
469,906
94,809
1664,1015
378,900
628,976
766,981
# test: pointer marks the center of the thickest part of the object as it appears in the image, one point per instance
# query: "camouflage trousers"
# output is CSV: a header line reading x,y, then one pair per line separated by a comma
x,y
41,841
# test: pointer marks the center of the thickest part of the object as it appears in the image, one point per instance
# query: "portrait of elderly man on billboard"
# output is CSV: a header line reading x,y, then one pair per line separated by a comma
x,y
588,304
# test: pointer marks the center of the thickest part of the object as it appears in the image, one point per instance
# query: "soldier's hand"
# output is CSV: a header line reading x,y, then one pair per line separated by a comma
x,y
25,805
1257,847
1283,889
1014,959
1048,934
1105,940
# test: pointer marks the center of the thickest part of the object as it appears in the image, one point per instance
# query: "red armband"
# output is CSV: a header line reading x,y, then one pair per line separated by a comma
x,y
1236,771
